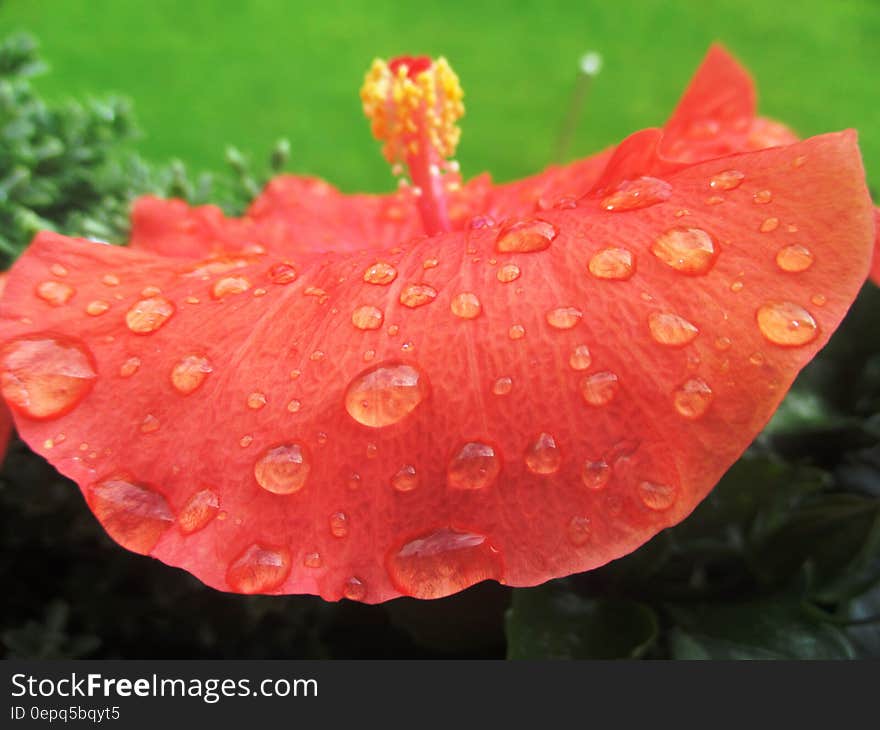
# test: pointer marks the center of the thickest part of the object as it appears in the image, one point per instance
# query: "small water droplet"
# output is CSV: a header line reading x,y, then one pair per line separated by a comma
x,y
385,394
150,291
580,358
380,274
442,562
819,300
756,358
245,441
148,315
150,424
768,225
726,180
282,273
316,355
55,293
367,317
669,329
406,479
481,221
693,398
430,263
258,569
508,273
312,560
656,496
722,343
502,386
416,295
794,258
135,515
600,388
516,332
579,530
690,251
616,264
762,197
97,307
189,373
110,280
45,377
639,193
543,455
736,287
129,367
786,324
475,466
198,511
595,474
282,469
354,589
338,524
526,236
294,406
798,161
256,400
57,270
466,305
564,318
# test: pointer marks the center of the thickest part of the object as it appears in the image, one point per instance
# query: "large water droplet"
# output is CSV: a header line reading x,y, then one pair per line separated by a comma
x,y
367,317
638,193
508,273
198,511
564,318
442,562
283,469
794,258
189,373
148,315
282,273
525,236
690,251
600,388
786,324
466,305
385,394
616,264
45,377
475,466
595,474
543,455
258,569
726,180
416,295
669,329
55,293
380,273
135,515
693,398
406,479
657,496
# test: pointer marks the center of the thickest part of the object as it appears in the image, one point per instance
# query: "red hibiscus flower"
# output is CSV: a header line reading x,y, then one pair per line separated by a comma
x,y
370,396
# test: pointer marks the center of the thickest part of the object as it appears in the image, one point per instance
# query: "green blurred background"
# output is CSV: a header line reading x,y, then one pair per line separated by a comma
x,y
207,73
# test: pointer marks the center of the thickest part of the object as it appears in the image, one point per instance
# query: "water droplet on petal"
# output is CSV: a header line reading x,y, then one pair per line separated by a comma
x,y
762,197
354,589
502,386
282,273
564,318
406,479
616,264
430,263
129,367
45,377
639,193
442,562
380,273
474,466
516,332
55,293
769,224
819,300
110,280
294,405
312,560
579,530
543,456
150,424
135,515
229,285
367,317
385,394
97,307
794,258
258,569
693,398
466,305
508,273
580,358
727,180
525,236
256,400
690,251
595,474
416,295
148,315
670,329
189,373
282,469
786,324
198,511
656,496
600,388
338,524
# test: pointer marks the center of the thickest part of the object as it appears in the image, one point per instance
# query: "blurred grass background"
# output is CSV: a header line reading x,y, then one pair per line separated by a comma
x,y
204,74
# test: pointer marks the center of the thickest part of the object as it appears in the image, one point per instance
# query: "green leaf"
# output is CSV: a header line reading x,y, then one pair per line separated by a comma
x,y
552,622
